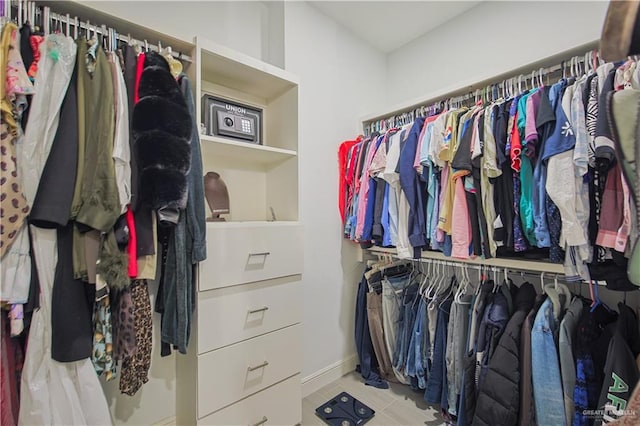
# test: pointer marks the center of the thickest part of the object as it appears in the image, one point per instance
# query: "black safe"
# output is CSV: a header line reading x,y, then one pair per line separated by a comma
x,y
232,120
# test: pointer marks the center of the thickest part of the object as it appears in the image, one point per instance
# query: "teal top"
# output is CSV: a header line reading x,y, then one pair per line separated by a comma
x,y
526,176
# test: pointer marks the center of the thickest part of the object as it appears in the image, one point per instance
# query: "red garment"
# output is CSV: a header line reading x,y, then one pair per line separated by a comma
x,y
351,175
10,370
132,246
35,42
516,146
139,69
343,154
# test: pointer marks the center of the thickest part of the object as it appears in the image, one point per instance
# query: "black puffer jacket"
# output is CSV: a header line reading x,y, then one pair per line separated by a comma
x,y
161,126
498,396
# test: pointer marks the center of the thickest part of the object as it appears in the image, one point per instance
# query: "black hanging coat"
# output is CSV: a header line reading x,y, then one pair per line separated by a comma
x,y
499,393
621,371
162,131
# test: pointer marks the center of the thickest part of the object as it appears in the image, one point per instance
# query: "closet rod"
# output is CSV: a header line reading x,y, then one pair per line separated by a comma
x,y
479,267
45,11
499,262
496,269
493,89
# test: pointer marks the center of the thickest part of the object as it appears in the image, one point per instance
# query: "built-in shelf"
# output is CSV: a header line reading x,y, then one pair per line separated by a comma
x,y
238,71
518,264
247,152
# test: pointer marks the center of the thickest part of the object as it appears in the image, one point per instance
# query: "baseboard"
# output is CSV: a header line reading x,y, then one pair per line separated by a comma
x,y
330,373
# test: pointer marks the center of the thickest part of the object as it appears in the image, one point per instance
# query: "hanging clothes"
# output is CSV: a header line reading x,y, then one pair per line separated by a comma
x,y
52,205
121,147
11,360
135,368
592,337
456,341
568,327
343,154
547,383
392,288
509,178
52,392
526,415
15,84
368,366
14,240
621,373
186,247
498,395
163,178
436,391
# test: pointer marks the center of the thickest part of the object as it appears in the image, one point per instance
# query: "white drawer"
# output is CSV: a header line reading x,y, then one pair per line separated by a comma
x,y
247,252
229,374
233,314
279,405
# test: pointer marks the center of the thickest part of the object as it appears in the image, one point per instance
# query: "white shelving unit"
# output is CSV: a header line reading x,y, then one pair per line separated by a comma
x,y
267,156
244,360
259,177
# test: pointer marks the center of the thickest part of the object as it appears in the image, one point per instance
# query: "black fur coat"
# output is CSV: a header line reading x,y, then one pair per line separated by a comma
x,y
162,128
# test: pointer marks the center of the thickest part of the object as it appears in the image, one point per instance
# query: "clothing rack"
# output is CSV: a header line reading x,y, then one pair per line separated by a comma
x,y
498,265
483,92
28,11
498,262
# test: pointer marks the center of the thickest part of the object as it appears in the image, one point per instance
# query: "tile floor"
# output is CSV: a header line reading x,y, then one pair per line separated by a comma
x,y
398,405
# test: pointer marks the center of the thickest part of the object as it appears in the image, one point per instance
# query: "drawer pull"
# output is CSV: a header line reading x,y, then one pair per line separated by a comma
x,y
261,422
264,364
264,253
255,311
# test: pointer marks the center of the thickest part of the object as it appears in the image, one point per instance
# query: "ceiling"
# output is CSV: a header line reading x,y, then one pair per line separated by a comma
x,y
387,25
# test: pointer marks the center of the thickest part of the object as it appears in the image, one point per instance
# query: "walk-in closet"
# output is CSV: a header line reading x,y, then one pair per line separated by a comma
x,y
320,212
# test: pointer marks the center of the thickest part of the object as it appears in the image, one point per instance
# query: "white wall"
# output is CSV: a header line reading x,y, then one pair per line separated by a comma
x,y
490,39
341,78
239,25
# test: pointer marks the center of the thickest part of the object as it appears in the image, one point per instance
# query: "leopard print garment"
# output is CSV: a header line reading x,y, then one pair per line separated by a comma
x,y
124,328
135,369
13,204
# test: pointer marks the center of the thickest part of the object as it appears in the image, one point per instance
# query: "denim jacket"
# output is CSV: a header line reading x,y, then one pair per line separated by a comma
x,y
545,368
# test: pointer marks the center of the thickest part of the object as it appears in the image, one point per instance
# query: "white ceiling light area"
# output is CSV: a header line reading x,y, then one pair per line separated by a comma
x,y
388,25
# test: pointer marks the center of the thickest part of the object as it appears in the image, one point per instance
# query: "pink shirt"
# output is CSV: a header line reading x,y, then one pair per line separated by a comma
x,y
416,161
363,194
460,223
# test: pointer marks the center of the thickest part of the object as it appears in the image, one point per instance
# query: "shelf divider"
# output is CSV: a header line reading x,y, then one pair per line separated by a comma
x,y
247,152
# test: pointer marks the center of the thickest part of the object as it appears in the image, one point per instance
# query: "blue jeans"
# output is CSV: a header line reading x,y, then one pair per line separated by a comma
x,y
437,389
419,347
392,292
405,327
547,385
